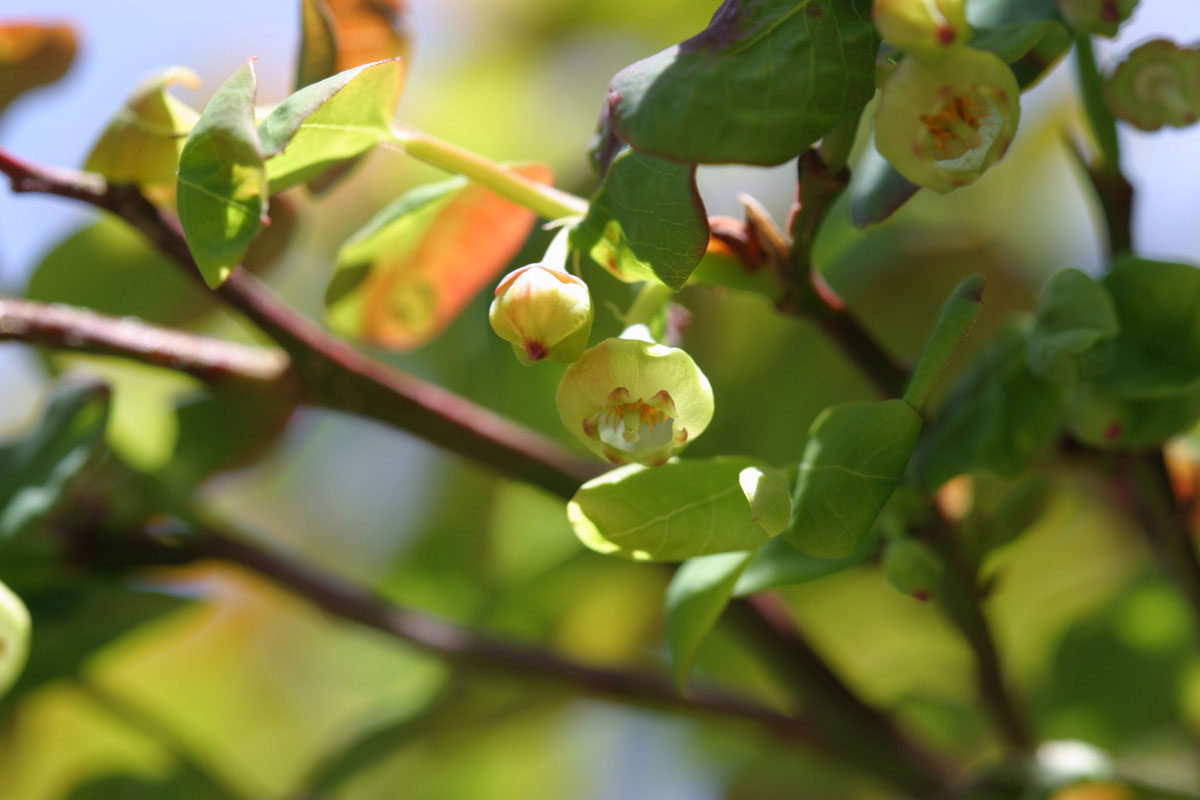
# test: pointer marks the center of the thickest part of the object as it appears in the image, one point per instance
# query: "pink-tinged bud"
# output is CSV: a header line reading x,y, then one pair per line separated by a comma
x,y
1157,84
924,29
543,313
14,637
1099,17
942,126
634,401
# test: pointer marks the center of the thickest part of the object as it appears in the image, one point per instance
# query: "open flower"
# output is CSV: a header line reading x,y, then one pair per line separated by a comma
x,y
925,29
1157,84
543,313
943,126
635,401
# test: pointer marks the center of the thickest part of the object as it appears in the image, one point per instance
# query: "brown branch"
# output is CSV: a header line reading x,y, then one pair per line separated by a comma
x,y
211,360
333,374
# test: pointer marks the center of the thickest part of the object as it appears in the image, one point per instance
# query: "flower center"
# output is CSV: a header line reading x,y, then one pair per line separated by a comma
x,y
962,131
635,427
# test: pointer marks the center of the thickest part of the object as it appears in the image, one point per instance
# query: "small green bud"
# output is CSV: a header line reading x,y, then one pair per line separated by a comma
x,y
543,313
14,638
942,126
634,401
1157,84
1099,17
925,29
912,568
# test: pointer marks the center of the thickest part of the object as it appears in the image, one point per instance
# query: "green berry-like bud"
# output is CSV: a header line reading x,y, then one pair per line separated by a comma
x,y
1098,17
14,638
912,568
942,126
543,313
1157,84
629,401
925,29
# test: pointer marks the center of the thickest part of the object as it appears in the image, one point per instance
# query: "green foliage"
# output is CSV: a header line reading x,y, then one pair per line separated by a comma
x,y
953,324
695,599
222,192
701,101
37,471
646,220
778,563
855,456
674,512
1075,315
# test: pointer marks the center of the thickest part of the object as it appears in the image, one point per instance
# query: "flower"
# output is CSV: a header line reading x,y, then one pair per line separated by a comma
x,y
543,313
925,29
1157,84
942,126
14,637
1100,17
634,401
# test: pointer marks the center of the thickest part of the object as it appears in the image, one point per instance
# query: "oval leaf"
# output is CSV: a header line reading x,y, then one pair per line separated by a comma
x,y
646,221
696,596
855,456
33,55
329,122
1074,314
669,513
702,101
779,563
222,190
409,272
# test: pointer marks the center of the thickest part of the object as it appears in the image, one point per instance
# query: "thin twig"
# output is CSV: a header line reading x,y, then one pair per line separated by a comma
x,y
212,360
333,374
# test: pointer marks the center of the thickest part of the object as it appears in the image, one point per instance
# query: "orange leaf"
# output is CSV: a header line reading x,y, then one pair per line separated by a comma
x,y
33,55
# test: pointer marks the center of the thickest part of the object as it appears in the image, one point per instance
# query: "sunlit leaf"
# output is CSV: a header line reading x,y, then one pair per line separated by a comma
x,y
698,593
779,563
143,141
855,456
33,55
674,512
222,192
329,122
646,220
36,471
369,30
406,275
762,82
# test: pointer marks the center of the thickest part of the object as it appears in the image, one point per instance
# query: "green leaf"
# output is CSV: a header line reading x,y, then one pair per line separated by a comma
x,y
187,784
413,267
1158,350
953,324
674,512
997,417
1110,421
1029,34
877,190
37,471
1074,315
696,596
318,45
855,456
912,568
329,122
646,220
109,267
778,563
761,83
222,192
144,140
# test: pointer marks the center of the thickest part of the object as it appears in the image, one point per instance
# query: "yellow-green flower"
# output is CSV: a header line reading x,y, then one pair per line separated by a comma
x,y
542,313
925,29
942,126
14,638
634,401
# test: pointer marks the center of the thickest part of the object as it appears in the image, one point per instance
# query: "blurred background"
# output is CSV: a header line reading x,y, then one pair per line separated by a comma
x,y
257,690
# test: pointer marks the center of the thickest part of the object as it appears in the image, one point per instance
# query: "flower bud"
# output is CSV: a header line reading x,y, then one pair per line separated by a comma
x,y
1099,17
925,29
14,637
943,126
634,401
1157,84
912,568
543,313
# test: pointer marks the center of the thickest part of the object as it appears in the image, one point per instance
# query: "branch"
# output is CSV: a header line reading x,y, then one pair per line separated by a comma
x,y
332,373
211,360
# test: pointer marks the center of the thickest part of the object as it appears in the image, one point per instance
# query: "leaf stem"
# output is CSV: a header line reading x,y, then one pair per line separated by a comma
x,y
1102,122
547,201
